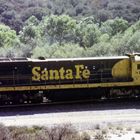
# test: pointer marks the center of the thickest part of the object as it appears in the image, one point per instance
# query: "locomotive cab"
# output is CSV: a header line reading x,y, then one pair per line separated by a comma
x,y
135,62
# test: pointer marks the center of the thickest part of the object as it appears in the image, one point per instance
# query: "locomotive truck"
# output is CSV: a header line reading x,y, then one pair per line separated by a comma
x,y
26,80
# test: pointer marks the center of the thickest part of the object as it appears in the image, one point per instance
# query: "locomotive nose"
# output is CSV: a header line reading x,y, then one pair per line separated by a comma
x,y
122,69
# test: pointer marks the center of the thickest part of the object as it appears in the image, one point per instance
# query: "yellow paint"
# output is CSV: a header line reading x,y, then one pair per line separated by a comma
x,y
62,72
69,86
86,74
135,71
79,72
44,76
54,75
36,75
122,69
69,74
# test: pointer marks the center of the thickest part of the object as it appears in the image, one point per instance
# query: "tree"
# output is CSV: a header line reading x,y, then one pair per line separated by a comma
x,y
56,51
8,37
114,26
99,49
68,51
87,32
127,42
60,28
31,32
133,43
103,15
34,11
32,21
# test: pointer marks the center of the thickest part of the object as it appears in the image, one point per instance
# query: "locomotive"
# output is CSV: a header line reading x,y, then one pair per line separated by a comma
x,y
26,80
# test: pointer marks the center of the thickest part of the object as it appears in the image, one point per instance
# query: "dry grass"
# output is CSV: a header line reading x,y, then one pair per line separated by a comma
x,y
85,136
4,133
63,132
99,136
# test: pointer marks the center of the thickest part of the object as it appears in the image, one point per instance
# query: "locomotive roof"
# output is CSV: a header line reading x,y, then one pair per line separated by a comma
x,y
137,58
84,58
60,59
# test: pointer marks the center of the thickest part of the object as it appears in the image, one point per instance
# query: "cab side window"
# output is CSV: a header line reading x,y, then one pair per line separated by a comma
x,y
138,66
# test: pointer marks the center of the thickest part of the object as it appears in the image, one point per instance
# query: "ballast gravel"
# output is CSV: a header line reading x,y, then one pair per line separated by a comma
x,y
81,116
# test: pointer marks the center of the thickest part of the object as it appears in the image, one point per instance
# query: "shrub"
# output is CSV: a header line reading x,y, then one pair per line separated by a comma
x,y
85,136
4,133
99,136
64,132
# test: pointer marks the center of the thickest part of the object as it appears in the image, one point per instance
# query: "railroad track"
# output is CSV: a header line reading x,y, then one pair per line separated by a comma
x,y
81,114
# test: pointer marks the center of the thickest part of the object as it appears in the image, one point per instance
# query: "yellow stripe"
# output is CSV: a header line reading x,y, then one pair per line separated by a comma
x,y
68,86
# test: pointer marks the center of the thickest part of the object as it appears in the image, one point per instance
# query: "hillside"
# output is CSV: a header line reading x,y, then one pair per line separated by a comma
x,y
15,12
69,28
